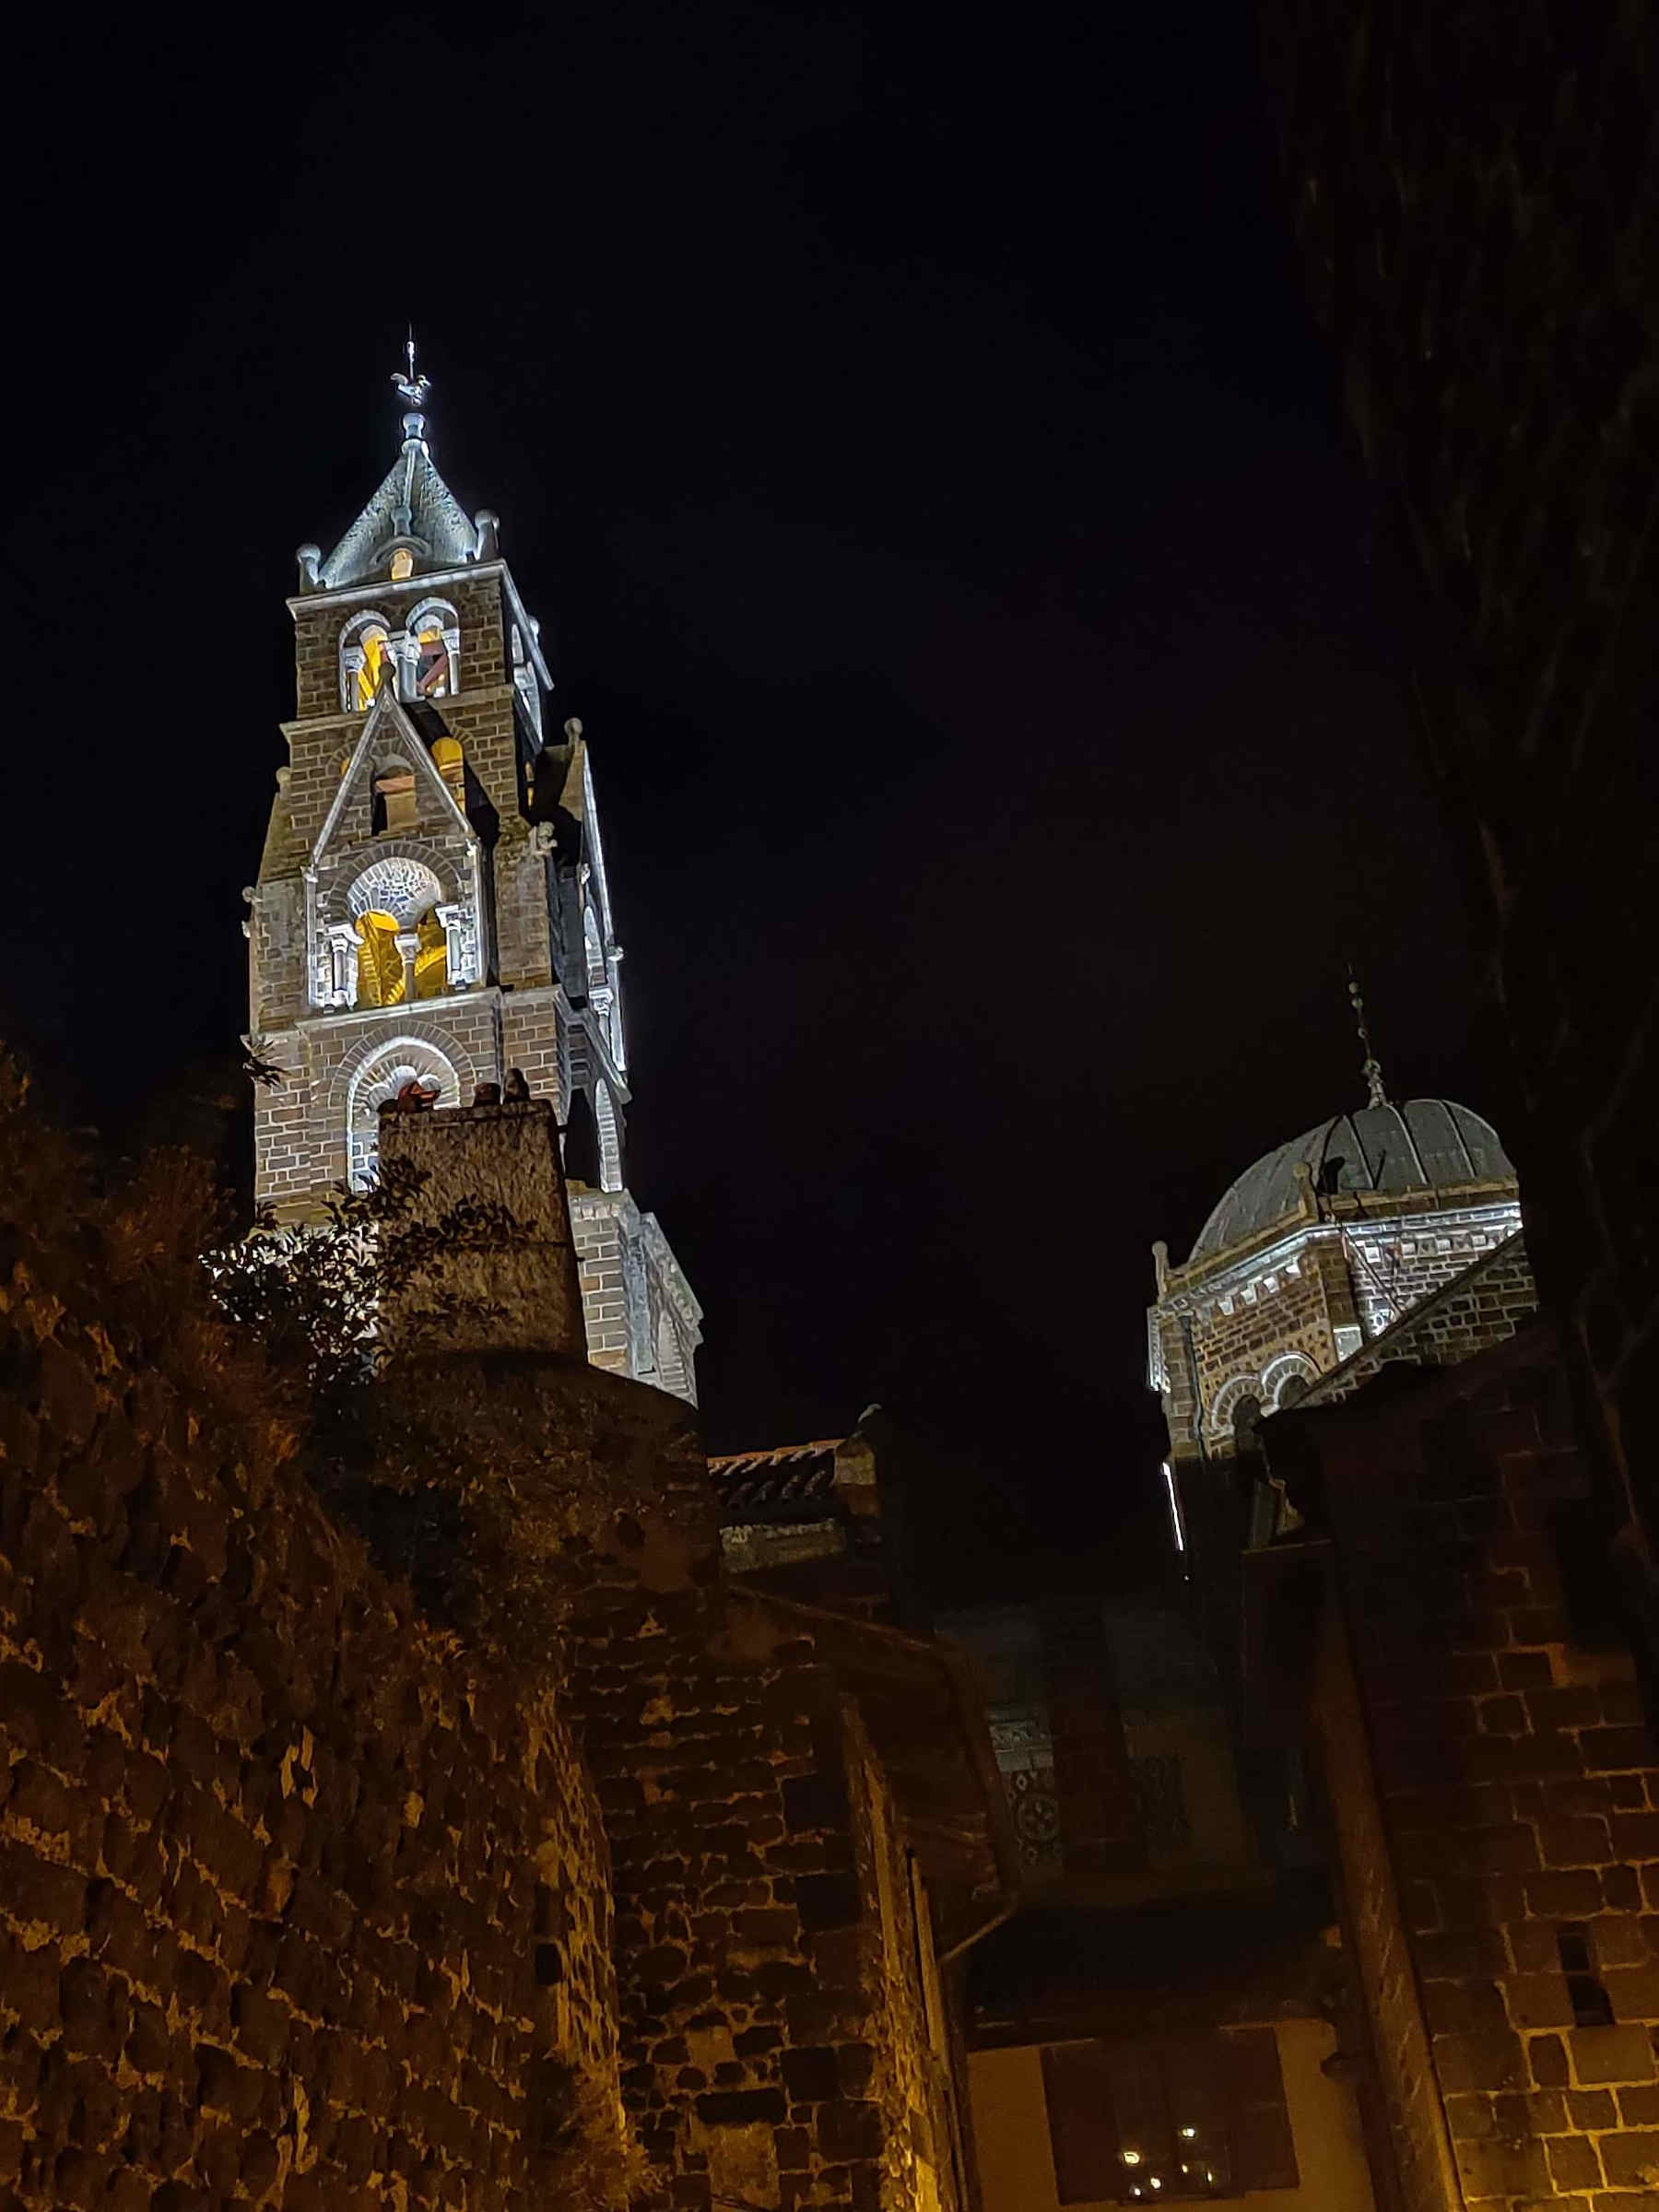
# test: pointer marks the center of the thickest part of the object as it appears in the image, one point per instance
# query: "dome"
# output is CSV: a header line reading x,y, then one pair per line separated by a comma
x,y
1426,1145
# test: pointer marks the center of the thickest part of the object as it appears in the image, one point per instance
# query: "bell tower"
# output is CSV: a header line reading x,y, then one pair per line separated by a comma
x,y
432,902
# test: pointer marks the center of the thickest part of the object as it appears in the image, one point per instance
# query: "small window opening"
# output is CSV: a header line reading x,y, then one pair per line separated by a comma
x,y
403,565
1591,2006
394,800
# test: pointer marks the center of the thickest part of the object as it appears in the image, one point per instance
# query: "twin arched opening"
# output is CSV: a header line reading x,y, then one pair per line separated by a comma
x,y
421,661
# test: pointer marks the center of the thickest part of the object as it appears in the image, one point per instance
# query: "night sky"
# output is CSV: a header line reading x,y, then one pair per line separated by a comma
x,y
914,436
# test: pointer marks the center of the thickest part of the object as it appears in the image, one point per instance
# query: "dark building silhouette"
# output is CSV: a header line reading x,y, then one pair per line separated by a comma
x,y
1478,193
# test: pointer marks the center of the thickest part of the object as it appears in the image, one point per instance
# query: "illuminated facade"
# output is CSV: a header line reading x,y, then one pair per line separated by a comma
x,y
432,903
1314,1253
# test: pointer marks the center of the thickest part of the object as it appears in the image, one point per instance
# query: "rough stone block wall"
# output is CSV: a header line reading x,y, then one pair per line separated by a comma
x,y
773,2042
1519,1784
298,1903
774,2046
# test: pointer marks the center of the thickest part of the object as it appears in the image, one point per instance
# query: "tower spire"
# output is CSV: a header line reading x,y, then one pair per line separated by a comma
x,y
1371,1068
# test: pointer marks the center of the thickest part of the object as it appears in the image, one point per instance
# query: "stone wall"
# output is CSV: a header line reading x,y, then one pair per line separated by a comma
x,y
1480,1307
775,2045
1313,1292
303,1888
1246,1327
1519,1787
319,621
774,2039
299,1903
1415,2145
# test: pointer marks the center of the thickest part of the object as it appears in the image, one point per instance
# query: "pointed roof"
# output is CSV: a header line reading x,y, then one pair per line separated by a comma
x,y
413,503
413,506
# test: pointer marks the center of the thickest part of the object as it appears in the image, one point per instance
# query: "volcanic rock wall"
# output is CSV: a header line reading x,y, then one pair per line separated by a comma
x,y
298,1905
1502,1862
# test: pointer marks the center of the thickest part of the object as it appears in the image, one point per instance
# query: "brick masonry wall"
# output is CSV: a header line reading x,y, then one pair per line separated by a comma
x,y
1395,1267
1294,1316
1293,1294
1519,1786
597,1219
479,603
281,1870
1479,1307
299,1124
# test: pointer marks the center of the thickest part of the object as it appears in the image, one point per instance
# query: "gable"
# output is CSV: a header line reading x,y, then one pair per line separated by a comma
x,y
388,731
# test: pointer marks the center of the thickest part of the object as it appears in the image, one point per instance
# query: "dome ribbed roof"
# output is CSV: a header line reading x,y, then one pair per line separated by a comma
x,y
1423,1145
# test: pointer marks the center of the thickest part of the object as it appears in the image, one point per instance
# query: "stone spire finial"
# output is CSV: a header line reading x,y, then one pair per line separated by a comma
x,y
412,390
1372,1067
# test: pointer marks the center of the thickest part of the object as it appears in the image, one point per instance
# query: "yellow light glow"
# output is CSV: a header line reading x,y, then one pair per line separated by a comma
x,y
373,642
1188,2134
380,963
403,565
1130,2157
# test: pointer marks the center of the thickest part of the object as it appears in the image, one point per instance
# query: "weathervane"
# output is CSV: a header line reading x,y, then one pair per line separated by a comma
x,y
411,388
1372,1068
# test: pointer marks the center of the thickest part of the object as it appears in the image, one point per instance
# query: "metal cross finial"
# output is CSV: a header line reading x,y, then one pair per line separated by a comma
x,y
412,389
1371,1069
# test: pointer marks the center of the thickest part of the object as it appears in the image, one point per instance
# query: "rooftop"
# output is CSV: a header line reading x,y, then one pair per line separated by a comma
x,y
1425,1145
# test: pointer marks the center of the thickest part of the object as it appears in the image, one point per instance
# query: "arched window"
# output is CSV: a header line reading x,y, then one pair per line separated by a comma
x,y
365,661
1243,1394
1287,1379
381,1077
403,932
435,650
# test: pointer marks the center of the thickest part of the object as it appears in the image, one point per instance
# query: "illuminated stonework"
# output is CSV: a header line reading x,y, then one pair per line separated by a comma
x,y
1312,1253
432,899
